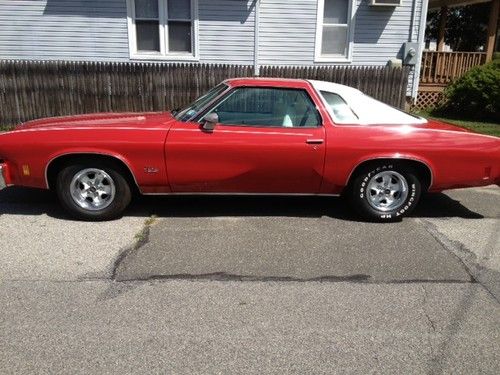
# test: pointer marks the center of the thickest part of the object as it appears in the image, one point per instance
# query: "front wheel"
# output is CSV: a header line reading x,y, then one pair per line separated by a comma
x,y
385,192
93,191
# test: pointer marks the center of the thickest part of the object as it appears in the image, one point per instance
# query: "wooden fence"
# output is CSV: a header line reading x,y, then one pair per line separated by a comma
x,y
34,89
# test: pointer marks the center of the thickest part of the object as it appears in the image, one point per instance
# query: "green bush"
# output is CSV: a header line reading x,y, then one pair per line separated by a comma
x,y
475,95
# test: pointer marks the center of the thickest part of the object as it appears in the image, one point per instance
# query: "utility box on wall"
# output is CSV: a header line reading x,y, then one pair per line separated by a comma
x,y
410,55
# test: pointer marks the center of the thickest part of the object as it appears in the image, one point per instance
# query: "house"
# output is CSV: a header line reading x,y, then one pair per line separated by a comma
x,y
247,32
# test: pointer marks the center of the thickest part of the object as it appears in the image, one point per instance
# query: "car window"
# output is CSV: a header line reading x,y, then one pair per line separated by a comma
x,y
194,108
341,111
358,108
263,106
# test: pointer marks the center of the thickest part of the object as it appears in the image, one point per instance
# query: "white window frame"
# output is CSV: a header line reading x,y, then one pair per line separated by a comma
x,y
318,56
163,54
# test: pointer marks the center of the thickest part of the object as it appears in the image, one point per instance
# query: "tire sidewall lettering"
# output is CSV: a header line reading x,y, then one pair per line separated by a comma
x,y
362,189
362,194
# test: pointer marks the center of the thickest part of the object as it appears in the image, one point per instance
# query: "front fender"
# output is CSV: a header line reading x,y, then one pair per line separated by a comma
x,y
89,151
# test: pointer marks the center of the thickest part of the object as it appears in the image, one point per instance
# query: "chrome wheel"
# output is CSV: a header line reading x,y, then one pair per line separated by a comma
x,y
92,189
387,191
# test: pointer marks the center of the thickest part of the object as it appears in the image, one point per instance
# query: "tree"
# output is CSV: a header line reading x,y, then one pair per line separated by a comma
x,y
465,27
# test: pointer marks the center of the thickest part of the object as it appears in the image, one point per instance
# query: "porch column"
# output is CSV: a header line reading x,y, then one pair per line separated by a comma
x,y
492,29
442,27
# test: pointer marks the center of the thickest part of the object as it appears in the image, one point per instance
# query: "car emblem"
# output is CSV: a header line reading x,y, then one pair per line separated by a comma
x,y
151,170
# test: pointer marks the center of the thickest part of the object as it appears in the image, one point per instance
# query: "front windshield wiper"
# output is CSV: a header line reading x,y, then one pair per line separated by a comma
x,y
175,111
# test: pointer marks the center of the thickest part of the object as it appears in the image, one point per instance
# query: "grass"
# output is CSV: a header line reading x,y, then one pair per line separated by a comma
x,y
142,236
483,127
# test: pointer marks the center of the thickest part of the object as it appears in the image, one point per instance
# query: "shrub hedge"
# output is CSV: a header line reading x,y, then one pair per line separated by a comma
x,y
475,95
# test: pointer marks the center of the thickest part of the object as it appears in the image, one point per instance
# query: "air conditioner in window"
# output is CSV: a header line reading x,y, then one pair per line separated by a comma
x,y
386,3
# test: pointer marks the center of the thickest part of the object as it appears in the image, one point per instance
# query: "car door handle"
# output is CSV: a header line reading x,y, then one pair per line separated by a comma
x,y
314,141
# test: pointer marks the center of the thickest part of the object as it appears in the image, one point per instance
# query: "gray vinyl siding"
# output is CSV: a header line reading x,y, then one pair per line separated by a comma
x,y
288,32
97,30
64,29
226,31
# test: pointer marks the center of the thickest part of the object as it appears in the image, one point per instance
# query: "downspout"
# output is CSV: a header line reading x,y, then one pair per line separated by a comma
x,y
256,67
413,17
421,35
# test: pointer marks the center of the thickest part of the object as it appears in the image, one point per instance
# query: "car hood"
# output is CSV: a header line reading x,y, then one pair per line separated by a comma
x,y
109,120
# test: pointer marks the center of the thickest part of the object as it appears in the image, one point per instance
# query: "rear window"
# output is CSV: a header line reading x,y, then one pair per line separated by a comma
x,y
363,109
341,111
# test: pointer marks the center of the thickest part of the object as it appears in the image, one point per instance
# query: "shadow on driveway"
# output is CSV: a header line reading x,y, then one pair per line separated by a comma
x,y
24,201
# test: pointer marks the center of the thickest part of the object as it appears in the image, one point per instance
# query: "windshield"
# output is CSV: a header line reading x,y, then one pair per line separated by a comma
x,y
194,108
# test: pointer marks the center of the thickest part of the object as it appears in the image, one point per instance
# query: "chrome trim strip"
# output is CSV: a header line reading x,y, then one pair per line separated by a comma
x,y
392,158
49,128
91,153
237,131
249,194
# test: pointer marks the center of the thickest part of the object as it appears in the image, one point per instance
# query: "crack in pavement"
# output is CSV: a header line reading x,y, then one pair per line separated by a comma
x,y
467,258
161,260
426,314
431,331
141,239
223,276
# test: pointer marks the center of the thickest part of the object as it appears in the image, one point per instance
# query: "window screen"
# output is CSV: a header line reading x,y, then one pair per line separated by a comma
x,y
335,28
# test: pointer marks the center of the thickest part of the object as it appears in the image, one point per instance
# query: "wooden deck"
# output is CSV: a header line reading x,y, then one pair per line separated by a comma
x,y
439,69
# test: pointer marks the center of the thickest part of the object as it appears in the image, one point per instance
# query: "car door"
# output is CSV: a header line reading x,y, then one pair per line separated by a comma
x,y
266,140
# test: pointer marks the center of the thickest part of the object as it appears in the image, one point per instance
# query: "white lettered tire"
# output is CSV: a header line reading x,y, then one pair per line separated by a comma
x,y
385,191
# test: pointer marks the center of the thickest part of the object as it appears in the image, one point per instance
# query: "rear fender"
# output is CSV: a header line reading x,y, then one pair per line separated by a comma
x,y
395,157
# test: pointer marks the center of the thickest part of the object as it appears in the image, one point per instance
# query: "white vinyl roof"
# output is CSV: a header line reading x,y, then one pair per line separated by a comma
x,y
363,109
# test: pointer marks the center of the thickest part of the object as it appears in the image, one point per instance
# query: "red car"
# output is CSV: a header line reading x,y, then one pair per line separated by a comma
x,y
247,136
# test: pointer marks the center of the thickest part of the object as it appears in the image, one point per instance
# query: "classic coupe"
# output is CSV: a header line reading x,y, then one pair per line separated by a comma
x,y
250,136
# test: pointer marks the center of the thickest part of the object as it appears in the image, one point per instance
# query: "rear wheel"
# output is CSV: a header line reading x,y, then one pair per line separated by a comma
x,y
93,191
385,192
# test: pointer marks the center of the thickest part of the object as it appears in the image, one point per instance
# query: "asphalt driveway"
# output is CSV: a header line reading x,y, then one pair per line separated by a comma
x,y
250,285
452,237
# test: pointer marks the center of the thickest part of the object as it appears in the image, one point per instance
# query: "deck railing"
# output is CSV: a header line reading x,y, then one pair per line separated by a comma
x,y
441,68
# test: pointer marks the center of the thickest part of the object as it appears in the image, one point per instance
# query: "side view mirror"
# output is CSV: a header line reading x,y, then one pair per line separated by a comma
x,y
210,121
